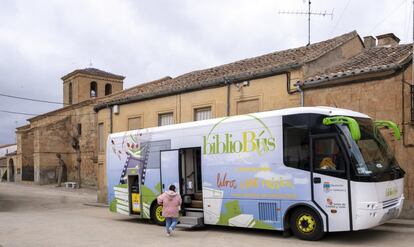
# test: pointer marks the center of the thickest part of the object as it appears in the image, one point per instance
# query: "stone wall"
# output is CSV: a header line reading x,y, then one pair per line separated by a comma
x,y
24,156
52,135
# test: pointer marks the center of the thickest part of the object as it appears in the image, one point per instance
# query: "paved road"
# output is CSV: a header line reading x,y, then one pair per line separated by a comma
x,y
46,216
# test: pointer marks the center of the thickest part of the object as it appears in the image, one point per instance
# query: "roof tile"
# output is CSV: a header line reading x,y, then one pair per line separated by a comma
x,y
94,72
369,60
250,67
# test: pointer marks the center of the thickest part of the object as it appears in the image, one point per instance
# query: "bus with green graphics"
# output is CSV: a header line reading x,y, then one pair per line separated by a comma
x,y
308,170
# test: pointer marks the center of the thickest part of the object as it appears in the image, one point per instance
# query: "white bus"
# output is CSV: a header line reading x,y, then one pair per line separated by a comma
x,y
307,170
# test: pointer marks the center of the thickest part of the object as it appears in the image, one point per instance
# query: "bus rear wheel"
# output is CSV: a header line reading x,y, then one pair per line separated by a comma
x,y
306,224
156,214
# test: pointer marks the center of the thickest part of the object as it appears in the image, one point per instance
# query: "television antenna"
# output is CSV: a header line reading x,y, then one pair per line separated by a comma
x,y
308,13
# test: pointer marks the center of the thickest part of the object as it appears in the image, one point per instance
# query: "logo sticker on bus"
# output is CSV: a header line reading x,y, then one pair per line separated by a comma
x,y
326,187
260,140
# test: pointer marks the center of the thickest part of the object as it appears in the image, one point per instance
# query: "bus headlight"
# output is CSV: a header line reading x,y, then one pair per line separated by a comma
x,y
372,206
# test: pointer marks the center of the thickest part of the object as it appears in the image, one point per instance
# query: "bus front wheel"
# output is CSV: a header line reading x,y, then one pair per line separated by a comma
x,y
156,214
306,224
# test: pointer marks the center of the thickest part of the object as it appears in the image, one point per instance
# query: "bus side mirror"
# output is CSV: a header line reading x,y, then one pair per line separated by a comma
x,y
391,125
352,124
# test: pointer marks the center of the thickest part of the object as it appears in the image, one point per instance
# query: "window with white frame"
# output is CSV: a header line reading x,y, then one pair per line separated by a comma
x,y
165,119
202,113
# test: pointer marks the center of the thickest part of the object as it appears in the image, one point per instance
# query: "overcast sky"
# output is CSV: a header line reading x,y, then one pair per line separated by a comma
x,y
40,41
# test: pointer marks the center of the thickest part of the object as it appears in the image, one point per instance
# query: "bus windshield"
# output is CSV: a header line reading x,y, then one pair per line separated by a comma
x,y
371,153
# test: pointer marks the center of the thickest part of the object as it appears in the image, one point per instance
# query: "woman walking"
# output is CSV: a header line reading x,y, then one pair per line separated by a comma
x,y
171,202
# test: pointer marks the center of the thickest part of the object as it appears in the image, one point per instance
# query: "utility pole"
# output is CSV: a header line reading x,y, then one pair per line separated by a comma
x,y
308,13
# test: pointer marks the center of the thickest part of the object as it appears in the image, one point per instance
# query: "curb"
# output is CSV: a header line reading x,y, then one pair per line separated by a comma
x,y
98,205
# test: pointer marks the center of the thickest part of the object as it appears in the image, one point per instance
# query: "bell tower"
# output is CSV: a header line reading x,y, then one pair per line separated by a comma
x,y
89,83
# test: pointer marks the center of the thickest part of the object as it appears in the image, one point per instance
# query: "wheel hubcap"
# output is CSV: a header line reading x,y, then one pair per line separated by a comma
x,y
306,223
158,214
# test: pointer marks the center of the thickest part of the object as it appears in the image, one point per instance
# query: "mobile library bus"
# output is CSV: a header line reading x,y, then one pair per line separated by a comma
x,y
310,170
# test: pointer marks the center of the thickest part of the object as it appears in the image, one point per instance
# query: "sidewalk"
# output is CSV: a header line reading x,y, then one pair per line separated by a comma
x,y
51,189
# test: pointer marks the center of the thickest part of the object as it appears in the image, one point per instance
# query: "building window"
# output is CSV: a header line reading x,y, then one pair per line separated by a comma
x,y
101,137
134,123
412,103
70,93
202,113
94,89
248,106
108,89
165,119
79,129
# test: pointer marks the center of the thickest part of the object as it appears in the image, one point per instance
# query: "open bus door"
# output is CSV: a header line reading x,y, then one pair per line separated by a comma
x,y
330,175
170,173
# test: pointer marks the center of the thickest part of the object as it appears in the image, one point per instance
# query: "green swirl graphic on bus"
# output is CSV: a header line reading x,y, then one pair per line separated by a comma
x,y
260,140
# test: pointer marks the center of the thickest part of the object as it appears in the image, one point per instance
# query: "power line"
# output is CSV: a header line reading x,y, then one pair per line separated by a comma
x,y
387,16
340,16
35,114
31,99
18,113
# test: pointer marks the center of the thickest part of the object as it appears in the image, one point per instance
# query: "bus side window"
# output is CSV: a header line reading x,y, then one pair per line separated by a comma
x,y
296,146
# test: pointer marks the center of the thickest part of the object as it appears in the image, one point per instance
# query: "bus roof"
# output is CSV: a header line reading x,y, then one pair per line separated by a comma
x,y
323,110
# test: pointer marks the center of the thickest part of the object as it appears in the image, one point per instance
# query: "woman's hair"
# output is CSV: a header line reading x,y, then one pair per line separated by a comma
x,y
172,187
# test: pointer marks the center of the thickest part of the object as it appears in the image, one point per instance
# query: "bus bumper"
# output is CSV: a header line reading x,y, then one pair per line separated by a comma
x,y
371,214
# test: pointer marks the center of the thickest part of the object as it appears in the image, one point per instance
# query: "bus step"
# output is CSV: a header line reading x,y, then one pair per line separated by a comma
x,y
186,226
190,222
194,214
198,196
193,209
196,204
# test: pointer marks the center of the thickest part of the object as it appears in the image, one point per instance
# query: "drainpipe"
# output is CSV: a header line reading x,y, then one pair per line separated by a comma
x,y
228,97
110,118
302,95
403,81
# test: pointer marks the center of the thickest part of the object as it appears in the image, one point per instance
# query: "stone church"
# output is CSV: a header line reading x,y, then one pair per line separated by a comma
x,y
47,135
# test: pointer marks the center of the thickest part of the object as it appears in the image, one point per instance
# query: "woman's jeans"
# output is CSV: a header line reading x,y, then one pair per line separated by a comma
x,y
170,222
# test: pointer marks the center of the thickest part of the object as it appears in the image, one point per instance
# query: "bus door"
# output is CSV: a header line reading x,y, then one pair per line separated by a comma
x,y
330,181
170,174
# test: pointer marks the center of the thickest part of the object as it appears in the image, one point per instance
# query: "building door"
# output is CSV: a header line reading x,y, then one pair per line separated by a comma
x,y
330,183
170,173
11,171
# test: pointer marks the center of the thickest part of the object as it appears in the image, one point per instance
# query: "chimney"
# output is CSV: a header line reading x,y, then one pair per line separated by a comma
x,y
388,39
369,41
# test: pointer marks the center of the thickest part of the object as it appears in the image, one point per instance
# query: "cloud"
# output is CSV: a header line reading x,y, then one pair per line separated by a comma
x,y
40,41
